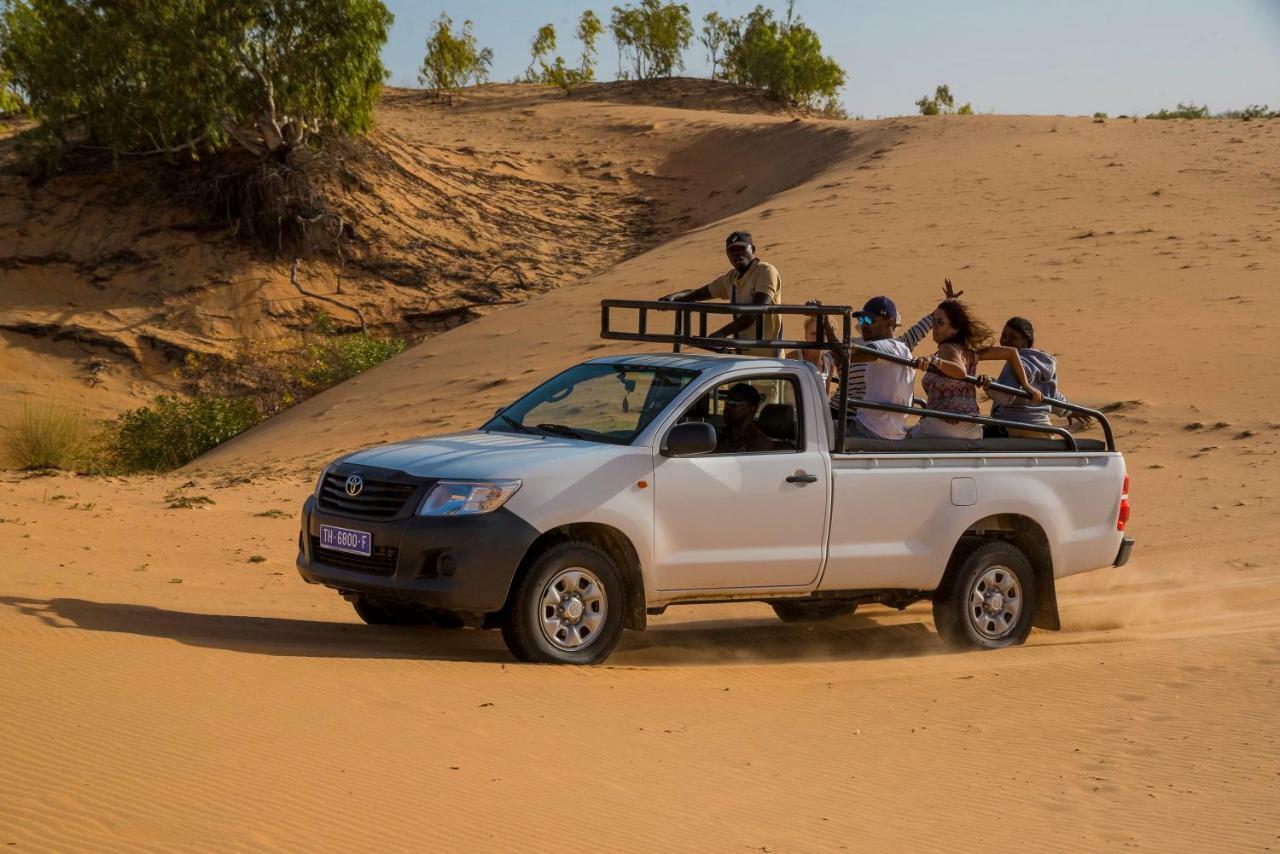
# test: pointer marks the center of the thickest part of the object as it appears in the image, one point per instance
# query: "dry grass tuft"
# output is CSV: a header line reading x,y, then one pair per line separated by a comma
x,y
45,436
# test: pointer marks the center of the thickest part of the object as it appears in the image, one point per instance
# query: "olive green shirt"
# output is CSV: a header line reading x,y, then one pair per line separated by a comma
x,y
741,288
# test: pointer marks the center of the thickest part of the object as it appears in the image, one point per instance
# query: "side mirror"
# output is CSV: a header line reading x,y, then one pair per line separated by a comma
x,y
689,440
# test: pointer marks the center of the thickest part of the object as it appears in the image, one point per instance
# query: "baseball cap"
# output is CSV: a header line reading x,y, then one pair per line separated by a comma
x,y
739,238
882,306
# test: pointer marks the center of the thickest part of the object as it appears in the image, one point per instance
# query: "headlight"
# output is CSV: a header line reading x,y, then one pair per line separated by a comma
x,y
467,498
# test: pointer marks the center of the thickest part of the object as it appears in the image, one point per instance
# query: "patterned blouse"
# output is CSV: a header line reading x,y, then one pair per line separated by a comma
x,y
952,395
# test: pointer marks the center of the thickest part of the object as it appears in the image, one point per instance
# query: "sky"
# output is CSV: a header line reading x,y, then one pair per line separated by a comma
x,y
1003,56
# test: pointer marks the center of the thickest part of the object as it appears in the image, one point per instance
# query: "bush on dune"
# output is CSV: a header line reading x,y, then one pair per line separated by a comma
x,y
268,79
1183,111
784,58
333,360
172,432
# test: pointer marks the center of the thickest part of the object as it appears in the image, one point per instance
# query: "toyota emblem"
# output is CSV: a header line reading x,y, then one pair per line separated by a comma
x,y
355,484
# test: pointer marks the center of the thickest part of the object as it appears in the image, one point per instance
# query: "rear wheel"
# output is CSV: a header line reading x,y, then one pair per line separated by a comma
x,y
567,609
812,612
988,601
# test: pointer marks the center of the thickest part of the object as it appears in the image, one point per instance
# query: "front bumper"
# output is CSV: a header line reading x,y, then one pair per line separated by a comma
x,y
460,563
1126,548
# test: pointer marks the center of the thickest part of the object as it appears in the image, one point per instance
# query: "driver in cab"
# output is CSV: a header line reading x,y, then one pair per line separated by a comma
x,y
741,434
750,282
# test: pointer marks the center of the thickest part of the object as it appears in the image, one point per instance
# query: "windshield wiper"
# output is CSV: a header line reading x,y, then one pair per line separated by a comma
x,y
520,428
563,430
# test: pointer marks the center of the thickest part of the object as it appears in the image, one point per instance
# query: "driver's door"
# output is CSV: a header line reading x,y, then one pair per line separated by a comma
x,y
743,520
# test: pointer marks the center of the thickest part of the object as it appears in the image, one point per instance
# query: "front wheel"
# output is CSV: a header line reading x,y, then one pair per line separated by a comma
x,y
567,609
989,600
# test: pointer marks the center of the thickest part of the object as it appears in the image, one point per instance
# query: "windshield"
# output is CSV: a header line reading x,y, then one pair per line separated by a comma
x,y
594,402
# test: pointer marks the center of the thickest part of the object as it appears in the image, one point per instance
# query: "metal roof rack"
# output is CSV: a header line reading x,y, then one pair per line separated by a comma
x,y
689,329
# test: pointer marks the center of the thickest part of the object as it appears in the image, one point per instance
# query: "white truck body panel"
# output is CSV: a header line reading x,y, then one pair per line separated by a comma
x,y
893,513
732,527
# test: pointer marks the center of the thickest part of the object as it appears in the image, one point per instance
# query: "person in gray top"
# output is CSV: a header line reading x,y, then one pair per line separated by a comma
x,y
1042,372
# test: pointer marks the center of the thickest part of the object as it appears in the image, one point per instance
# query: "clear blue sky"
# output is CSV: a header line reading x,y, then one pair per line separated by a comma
x,y
1010,56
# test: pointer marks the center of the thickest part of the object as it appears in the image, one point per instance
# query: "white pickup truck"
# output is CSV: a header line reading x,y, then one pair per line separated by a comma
x,y
600,497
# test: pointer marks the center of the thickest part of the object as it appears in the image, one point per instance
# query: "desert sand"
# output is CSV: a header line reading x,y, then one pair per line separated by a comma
x,y
167,681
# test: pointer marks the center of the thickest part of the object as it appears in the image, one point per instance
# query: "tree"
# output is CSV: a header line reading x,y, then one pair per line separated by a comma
x,y
453,61
942,103
544,43
784,58
558,72
11,100
717,34
169,75
589,29
654,35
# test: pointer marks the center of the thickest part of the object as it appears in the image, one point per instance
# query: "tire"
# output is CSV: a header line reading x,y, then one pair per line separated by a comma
x,y
534,624
812,612
386,612
988,598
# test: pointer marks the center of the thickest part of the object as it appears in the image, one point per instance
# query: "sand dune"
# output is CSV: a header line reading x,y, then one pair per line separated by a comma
x,y
163,687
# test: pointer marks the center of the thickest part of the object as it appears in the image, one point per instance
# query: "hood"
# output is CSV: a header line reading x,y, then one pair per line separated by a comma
x,y
477,455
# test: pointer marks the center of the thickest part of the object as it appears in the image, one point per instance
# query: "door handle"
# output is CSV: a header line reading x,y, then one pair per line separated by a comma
x,y
802,477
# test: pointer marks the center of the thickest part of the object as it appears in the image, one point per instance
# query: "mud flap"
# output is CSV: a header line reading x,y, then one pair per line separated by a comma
x,y
1047,597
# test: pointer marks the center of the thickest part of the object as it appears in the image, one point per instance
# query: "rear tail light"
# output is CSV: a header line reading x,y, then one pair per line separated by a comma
x,y
1123,518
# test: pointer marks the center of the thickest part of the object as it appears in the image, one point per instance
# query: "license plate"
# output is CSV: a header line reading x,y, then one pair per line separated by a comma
x,y
346,540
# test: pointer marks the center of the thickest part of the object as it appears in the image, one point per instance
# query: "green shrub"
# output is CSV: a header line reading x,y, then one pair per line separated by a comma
x,y
173,75
1251,112
1183,111
228,396
784,58
652,36
452,60
11,102
46,436
942,103
558,72
332,360
172,432
717,35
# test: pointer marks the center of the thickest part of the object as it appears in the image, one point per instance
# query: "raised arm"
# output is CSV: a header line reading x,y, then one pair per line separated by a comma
x,y
1010,356
913,336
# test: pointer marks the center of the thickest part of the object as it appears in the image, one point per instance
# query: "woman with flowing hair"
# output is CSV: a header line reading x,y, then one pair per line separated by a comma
x,y
963,341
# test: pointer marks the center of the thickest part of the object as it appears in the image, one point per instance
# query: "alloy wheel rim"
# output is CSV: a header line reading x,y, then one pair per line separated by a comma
x,y
573,608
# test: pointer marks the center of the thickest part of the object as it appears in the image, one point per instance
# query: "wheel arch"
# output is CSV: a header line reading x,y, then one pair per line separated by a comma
x,y
1030,538
609,540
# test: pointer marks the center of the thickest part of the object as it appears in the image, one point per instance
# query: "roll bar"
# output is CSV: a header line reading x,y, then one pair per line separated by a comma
x,y
688,315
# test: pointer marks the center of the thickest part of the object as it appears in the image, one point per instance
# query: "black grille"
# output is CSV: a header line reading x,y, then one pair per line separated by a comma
x,y
381,562
379,499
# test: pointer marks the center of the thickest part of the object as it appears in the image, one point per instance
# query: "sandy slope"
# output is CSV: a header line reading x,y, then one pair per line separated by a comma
x,y
161,689
452,211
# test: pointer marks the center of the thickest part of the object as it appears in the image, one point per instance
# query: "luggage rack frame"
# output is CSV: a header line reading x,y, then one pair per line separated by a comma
x,y
691,316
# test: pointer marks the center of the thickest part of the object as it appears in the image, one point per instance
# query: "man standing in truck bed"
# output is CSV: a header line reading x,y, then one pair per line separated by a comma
x,y
750,282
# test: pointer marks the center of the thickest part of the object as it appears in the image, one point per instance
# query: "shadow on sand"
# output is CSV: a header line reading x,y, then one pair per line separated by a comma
x,y
723,642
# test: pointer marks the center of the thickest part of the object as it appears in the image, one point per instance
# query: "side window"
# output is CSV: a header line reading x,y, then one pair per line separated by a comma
x,y
758,415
